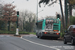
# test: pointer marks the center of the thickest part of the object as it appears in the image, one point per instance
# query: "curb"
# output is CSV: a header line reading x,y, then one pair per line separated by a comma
x,y
61,39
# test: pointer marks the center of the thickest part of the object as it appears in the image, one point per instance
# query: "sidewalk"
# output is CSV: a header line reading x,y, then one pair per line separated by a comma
x,y
15,35
61,38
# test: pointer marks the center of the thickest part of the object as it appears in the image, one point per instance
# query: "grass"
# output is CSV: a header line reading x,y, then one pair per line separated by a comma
x,y
13,32
32,33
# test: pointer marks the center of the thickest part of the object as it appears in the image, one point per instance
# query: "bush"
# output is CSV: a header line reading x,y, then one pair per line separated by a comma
x,y
12,32
32,33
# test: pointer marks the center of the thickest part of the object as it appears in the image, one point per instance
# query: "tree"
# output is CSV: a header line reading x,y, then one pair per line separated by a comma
x,y
72,18
2,25
1,10
71,6
9,14
47,2
71,2
27,21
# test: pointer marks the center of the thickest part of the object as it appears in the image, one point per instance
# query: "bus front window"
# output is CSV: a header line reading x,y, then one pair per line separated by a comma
x,y
49,24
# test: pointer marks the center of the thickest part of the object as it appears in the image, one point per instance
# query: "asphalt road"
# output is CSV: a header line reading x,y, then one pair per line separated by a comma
x,y
31,42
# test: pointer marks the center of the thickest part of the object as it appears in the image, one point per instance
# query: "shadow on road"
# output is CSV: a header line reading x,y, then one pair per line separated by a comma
x,y
50,38
70,44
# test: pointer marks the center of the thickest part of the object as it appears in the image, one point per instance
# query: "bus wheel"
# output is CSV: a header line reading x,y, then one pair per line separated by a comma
x,y
40,36
65,42
37,36
72,41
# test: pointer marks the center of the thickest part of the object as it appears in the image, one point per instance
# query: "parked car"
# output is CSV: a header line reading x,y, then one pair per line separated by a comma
x,y
70,35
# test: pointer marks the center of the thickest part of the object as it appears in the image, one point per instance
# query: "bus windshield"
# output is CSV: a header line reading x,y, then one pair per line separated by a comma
x,y
49,24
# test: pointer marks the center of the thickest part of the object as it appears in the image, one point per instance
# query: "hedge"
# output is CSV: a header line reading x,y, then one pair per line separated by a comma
x,y
12,32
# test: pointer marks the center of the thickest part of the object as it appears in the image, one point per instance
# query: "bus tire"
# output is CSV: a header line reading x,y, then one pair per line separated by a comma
x,y
40,36
65,42
37,35
72,41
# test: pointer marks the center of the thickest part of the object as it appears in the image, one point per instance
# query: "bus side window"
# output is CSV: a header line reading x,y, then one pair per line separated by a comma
x,y
40,25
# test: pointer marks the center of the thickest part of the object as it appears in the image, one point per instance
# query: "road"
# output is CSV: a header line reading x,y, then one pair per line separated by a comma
x,y
31,42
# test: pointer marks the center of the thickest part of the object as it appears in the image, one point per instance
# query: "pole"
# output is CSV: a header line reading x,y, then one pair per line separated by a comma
x,y
66,12
62,13
37,12
17,21
36,18
17,30
23,22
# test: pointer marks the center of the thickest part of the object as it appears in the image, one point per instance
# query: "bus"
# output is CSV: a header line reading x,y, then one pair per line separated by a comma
x,y
48,27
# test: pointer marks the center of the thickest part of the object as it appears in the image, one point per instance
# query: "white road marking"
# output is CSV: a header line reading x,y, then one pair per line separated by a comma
x,y
29,35
40,44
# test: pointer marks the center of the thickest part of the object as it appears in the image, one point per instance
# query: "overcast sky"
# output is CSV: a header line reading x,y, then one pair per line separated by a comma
x,y
30,5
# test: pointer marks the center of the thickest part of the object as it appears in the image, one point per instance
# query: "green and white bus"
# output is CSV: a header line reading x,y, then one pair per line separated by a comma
x,y
48,27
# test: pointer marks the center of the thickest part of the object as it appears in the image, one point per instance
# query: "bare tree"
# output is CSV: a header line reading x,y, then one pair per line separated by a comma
x,y
1,10
9,14
27,19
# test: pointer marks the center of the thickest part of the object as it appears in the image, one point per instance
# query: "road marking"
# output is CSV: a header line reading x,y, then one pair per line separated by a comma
x,y
40,44
29,35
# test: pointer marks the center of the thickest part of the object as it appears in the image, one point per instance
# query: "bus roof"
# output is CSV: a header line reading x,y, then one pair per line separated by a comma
x,y
47,19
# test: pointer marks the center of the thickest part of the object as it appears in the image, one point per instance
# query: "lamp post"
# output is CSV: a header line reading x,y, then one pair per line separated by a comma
x,y
62,13
17,30
37,12
66,12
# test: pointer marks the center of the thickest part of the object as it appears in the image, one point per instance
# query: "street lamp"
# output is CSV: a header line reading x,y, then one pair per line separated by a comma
x,y
37,12
66,12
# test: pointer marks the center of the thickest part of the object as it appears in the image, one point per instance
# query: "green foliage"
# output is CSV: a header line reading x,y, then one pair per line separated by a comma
x,y
62,31
72,2
32,33
29,26
72,20
6,32
21,32
12,32
2,25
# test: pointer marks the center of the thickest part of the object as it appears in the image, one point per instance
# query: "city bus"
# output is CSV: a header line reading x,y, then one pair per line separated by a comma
x,y
48,27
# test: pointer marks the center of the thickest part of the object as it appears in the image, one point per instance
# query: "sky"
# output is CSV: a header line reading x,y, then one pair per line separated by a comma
x,y
31,5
